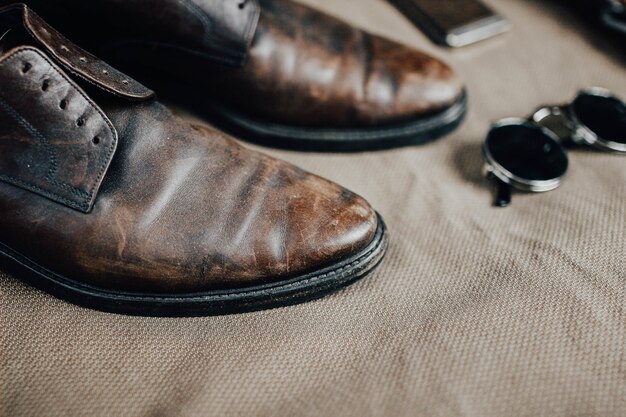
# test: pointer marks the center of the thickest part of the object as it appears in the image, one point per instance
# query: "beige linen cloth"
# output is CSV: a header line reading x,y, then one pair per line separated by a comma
x,y
476,311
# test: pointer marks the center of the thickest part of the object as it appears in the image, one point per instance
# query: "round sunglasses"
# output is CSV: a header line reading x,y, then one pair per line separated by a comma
x,y
529,154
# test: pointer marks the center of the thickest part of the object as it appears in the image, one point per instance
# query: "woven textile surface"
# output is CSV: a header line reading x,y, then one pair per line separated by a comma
x,y
476,311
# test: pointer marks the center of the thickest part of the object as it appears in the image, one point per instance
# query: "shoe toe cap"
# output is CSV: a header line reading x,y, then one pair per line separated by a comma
x,y
287,223
324,224
403,83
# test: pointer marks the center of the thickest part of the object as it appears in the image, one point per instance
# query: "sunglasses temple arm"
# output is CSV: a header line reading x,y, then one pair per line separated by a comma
x,y
503,190
503,193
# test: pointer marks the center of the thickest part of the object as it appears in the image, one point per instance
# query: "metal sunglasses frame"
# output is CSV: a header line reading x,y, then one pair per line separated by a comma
x,y
561,125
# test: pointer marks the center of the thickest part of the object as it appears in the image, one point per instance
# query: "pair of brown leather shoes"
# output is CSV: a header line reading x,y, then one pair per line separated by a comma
x,y
110,201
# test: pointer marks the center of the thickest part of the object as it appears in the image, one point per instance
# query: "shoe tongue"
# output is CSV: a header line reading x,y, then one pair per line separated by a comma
x,y
77,61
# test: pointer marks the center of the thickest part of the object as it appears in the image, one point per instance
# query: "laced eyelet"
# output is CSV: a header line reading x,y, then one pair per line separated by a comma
x,y
63,104
80,122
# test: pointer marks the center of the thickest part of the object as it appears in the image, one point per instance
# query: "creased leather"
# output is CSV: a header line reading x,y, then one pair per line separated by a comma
x,y
59,153
181,208
302,68
318,71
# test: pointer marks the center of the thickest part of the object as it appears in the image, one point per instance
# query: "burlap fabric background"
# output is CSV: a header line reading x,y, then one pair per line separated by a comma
x,y
476,311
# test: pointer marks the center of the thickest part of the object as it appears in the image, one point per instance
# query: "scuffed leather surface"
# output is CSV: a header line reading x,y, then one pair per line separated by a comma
x,y
184,209
475,312
309,68
302,67
181,209
317,70
45,148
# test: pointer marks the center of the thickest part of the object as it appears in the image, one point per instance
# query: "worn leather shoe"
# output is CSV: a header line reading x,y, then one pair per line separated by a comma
x,y
112,202
273,71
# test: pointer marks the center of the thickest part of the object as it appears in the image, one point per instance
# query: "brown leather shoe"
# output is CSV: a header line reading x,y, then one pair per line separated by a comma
x,y
274,71
112,202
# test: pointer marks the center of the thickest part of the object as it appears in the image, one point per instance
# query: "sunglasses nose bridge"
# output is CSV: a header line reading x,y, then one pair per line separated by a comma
x,y
557,120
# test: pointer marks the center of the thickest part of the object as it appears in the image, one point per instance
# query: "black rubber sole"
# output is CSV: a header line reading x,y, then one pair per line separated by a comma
x,y
320,139
293,291
314,139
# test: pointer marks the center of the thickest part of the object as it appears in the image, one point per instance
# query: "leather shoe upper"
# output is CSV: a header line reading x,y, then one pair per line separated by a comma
x,y
317,70
102,184
274,60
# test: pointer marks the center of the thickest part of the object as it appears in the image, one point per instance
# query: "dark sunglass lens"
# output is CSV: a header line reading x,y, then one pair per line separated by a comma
x,y
527,152
604,116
